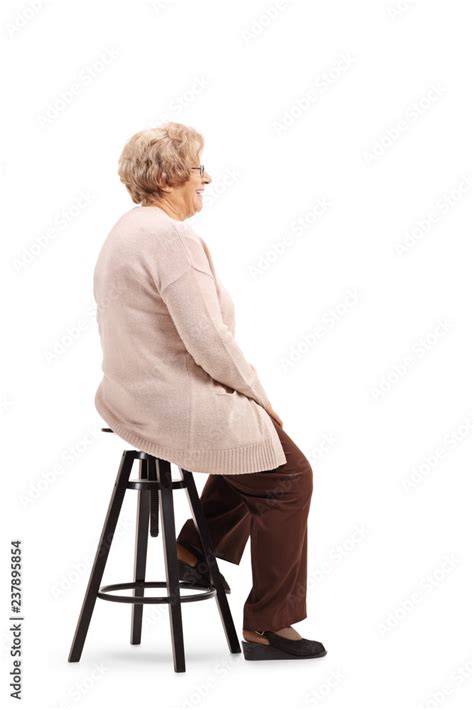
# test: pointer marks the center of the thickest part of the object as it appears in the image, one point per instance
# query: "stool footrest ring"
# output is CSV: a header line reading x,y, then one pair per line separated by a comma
x,y
139,599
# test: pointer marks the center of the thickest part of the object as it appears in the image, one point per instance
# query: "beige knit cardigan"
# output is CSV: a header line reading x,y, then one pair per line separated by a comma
x,y
175,383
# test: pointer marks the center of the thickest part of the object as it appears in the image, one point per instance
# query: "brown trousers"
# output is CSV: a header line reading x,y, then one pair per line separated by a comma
x,y
271,507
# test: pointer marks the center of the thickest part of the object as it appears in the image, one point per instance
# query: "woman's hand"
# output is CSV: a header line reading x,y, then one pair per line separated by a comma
x,y
274,415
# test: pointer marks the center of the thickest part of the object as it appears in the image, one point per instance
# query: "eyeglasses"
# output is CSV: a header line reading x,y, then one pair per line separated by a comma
x,y
200,168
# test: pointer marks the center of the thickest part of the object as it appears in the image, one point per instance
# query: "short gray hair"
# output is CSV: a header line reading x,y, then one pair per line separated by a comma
x,y
165,153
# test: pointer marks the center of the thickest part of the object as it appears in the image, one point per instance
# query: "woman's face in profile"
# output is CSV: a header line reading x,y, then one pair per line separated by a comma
x,y
190,194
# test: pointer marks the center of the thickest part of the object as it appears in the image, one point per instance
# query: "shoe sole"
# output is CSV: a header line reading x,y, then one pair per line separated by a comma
x,y
266,652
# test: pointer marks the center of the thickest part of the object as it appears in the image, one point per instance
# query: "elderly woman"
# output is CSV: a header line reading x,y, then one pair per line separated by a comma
x,y
176,385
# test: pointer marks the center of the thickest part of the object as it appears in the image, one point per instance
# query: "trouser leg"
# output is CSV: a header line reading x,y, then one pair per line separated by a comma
x,y
227,517
272,507
279,502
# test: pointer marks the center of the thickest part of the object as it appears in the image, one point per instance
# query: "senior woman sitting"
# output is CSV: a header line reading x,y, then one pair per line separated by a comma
x,y
176,385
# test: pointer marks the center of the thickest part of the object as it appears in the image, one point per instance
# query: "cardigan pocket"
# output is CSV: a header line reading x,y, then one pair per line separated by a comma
x,y
225,389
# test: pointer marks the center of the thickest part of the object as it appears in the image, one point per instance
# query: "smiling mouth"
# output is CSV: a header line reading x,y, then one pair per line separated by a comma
x,y
200,192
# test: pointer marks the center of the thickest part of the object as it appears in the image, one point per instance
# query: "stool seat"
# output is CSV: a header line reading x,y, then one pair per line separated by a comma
x,y
155,501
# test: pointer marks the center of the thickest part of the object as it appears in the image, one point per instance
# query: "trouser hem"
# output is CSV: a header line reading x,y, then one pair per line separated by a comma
x,y
263,624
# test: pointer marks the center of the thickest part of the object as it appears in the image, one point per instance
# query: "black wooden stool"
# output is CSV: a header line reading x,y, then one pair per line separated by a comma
x,y
155,476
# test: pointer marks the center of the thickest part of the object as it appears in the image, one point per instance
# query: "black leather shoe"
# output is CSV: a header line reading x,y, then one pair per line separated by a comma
x,y
281,648
199,574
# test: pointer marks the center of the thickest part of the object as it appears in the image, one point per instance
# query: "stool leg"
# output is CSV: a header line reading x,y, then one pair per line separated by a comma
x,y
101,556
154,501
141,545
171,563
206,543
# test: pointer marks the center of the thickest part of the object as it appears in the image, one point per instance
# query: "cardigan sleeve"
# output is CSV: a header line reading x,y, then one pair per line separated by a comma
x,y
193,306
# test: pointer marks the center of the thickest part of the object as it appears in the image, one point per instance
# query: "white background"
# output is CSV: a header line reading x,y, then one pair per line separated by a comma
x,y
338,137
